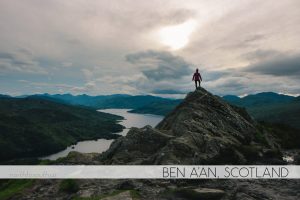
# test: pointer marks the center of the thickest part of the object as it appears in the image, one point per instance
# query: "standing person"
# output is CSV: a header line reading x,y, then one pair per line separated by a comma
x,y
197,78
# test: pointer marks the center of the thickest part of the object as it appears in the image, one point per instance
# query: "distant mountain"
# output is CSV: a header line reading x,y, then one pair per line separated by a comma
x,y
84,99
259,99
105,101
31,127
4,96
232,98
132,102
270,107
46,97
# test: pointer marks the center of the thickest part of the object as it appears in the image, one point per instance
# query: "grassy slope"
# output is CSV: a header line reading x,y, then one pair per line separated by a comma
x,y
270,107
35,127
285,113
286,136
9,188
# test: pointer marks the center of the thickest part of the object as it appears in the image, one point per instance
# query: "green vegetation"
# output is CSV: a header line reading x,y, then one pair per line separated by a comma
x,y
69,186
32,127
286,136
285,113
9,188
270,107
259,137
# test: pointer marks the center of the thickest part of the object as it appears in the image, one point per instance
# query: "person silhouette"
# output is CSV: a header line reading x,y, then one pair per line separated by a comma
x,y
197,78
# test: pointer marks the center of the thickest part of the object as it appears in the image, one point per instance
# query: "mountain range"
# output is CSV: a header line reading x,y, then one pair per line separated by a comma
x,y
104,101
266,106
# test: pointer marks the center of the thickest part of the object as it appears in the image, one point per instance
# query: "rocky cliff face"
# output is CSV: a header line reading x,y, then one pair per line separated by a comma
x,y
203,129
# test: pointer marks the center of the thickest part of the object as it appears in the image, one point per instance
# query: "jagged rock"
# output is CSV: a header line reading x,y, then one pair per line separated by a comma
x,y
243,196
135,149
87,193
203,129
297,159
121,196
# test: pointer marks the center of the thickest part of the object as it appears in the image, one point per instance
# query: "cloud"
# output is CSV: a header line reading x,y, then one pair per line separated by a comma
x,y
79,46
247,41
88,87
168,91
20,60
160,65
67,64
281,65
261,54
213,75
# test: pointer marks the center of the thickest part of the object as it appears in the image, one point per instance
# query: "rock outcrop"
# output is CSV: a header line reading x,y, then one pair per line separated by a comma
x,y
203,129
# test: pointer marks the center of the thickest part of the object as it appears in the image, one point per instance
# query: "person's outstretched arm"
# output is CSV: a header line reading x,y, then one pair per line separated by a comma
x,y
193,77
200,77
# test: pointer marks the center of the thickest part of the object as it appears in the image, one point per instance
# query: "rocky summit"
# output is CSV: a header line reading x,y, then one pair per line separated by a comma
x,y
203,129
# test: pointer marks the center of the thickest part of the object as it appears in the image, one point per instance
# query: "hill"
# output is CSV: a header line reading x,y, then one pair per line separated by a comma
x,y
284,113
106,101
270,107
4,96
32,127
260,99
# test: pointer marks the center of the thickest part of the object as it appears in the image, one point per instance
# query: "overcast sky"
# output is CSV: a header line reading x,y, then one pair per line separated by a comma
x,y
149,47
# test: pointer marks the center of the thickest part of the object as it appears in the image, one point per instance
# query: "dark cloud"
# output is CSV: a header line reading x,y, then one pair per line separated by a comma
x,y
215,75
254,38
20,60
259,55
177,16
4,55
233,85
245,42
73,41
288,65
160,65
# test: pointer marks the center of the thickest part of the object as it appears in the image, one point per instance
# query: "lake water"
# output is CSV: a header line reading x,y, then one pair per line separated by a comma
x,y
100,145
